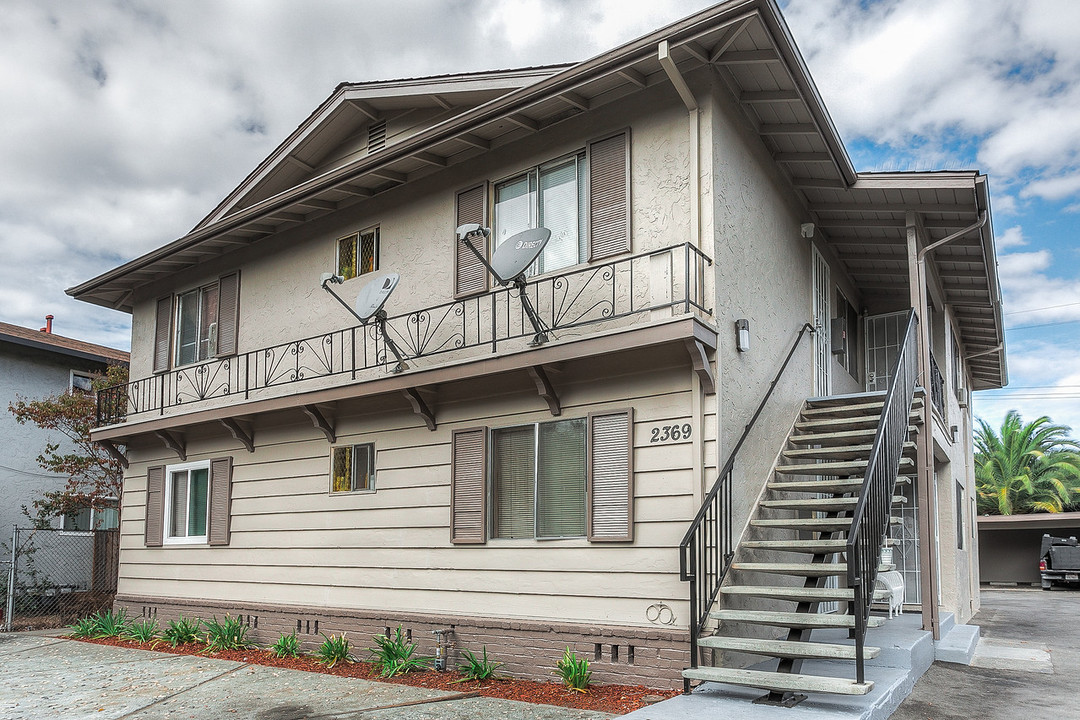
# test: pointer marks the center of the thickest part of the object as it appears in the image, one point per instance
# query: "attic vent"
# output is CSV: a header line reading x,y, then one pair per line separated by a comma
x,y
376,136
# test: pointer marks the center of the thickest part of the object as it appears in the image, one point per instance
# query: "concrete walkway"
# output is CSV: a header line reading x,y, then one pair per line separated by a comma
x,y
47,677
1026,665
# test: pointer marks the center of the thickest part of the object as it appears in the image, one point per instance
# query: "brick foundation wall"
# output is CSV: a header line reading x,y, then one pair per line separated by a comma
x,y
653,657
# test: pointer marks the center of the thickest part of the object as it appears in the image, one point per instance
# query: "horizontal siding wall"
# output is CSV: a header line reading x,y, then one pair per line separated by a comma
x,y
293,543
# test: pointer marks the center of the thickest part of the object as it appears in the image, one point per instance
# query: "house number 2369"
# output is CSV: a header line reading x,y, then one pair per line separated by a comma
x,y
663,433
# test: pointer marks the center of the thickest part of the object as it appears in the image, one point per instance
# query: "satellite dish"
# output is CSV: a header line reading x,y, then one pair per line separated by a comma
x,y
517,253
372,297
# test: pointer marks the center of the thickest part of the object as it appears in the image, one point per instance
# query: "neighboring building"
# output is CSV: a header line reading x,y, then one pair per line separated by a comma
x,y
533,495
36,364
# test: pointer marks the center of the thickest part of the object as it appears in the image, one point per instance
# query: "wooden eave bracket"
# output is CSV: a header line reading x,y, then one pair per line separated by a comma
x,y
246,436
321,422
700,360
114,451
173,441
422,402
545,389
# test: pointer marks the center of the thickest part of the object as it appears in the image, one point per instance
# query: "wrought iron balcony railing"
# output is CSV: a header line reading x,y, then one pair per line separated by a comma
x,y
567,303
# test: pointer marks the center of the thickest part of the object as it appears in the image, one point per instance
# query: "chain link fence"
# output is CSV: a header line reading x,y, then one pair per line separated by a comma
x,y
54,577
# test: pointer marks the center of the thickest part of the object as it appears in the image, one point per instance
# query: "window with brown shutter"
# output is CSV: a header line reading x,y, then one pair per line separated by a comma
x,y
228,314
470,275
468,486
220,501
611,477
609,196
162,333
155,505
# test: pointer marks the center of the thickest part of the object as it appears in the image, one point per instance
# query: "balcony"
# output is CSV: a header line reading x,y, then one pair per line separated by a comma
x,y
586,302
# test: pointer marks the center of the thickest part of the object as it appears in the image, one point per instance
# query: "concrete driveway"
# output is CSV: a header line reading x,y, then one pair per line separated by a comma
x,y
47,677
1026,667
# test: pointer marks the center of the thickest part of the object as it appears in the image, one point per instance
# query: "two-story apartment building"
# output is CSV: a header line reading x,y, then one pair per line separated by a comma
x,y
533,493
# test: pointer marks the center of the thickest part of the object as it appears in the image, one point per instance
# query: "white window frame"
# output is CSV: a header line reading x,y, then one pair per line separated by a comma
x,y
374,469
166,538
93,519
357,236
532,174
491,500
81,374
212,329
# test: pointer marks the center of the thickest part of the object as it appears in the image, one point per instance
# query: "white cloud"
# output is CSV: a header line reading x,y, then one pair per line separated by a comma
x,y
1013,237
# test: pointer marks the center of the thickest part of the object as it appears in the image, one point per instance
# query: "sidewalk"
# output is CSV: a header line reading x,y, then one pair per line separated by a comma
x,y
49,677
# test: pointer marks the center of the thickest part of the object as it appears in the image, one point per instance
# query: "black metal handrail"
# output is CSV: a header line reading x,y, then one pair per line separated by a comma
x,y
568,301
870,520
707,547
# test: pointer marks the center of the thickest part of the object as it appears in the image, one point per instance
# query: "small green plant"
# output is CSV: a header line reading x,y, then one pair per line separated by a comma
x,y
286,646
227,634
478,668
84,628
574,671
109,623
143,631
182,631
333,650
395,655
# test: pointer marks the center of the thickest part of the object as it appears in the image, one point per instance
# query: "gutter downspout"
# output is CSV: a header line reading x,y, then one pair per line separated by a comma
x,y
929,554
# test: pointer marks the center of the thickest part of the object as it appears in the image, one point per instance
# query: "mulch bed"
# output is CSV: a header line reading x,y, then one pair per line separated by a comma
x,y
614,699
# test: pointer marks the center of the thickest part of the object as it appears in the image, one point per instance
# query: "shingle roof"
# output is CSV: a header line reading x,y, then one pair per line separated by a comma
x,y
58,343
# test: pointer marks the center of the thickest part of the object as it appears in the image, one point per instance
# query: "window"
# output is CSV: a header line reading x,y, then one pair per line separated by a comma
x,y
86,519
552,196
352,468
358,253
957,371
186,494
959,516
196,324
81,382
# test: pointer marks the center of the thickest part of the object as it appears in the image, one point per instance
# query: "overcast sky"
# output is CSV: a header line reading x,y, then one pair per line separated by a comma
x,y
123,122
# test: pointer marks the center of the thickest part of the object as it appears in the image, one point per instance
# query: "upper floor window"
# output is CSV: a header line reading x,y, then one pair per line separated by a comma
x,y
551,196
81,382
196,324
358,253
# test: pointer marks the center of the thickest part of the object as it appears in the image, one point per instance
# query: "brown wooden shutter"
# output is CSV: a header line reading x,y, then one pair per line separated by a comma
x,y
163,333
220,501
470,275
228,313
155,505
468,487
609,196
611,476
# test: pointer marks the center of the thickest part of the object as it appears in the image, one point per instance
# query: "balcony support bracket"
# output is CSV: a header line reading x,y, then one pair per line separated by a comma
x,y
421,405
174,442
700,360
545,389
321,422
110,447
245,436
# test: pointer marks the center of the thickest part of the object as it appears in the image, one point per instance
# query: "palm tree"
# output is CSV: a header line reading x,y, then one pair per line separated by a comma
x,y
1027,468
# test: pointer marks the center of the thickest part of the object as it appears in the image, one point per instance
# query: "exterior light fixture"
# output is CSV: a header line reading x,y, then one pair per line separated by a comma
x,y
807,230
742,335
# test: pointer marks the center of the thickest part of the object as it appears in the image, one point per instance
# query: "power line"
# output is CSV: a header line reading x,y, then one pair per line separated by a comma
x,y
1028,327
31,474
1047,307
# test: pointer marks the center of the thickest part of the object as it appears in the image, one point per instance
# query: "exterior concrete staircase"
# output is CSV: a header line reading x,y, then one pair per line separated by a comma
x,y
795,544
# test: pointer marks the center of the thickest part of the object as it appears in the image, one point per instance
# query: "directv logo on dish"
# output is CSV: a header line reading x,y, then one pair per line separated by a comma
x,y
530,245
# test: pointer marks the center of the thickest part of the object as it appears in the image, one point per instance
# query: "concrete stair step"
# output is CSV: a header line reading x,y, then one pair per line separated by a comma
x,y
792,619
814,547
847,423
838,486
797,594
780,682
801,569
811,524
850,409
839,452
787,648
842,437
835,400
839,467
834,504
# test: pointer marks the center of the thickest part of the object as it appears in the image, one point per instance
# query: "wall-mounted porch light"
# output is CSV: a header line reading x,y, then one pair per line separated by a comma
x,y
742,335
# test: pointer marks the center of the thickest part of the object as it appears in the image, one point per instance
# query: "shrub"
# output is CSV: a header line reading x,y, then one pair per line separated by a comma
x,y
333,650
286,646
394,655
143,631
182,631
109,623
478,668
228,634
574,672
84,628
